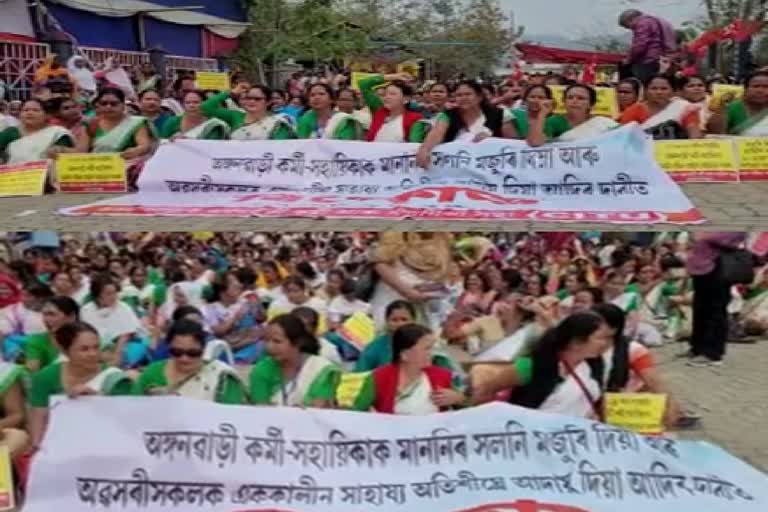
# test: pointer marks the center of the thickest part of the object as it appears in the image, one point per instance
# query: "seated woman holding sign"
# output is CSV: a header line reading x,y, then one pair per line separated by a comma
x,y
322,121
473,120
257,122
34,139
577,123
193,370
113,130
80,374
747,117
411,384
663,115
293,374
560,375
629,365
194,124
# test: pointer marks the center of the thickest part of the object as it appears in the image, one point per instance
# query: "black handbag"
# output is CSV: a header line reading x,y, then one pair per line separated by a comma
x,y
736,266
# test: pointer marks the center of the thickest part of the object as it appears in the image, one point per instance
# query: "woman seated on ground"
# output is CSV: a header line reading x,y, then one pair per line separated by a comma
x,y
33,139
379,351
21,316
14,411
630,367
113,130
534,95
577,123
311,320
411,384
193,123
293,374
663,115
40,350
296,294
393,120
694,89
322,121
557,376
235,319
116,323
82,373
258,122
628,92
747,117
472,120
188,372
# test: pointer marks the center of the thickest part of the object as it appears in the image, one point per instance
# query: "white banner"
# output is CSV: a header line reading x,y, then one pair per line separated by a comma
x,y
613,178
174,454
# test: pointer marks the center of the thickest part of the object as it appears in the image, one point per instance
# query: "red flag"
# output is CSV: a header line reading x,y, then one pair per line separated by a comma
x,y
589,73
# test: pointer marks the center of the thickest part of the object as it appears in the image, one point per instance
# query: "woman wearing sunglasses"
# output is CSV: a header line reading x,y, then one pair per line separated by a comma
x,y
190,372
113,130
257,122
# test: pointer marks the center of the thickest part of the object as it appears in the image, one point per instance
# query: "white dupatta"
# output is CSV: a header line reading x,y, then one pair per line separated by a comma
x,y
117,138
677,109
593,127
329,132
35,146
202,130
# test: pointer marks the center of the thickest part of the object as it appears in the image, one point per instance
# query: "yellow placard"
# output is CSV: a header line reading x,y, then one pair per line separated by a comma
x,y
359,330
7,499
720,90
349,388
91,172
212,81
709,158
411,67
23,180
357,76
753,154
607,102
639,412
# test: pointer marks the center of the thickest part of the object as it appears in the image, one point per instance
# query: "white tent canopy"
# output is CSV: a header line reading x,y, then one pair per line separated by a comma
x,y
219,26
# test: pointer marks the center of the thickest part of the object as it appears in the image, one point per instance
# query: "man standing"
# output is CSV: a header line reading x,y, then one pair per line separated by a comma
x,y
653,39
711,295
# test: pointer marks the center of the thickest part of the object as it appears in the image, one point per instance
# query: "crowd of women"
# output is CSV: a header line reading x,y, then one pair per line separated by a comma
x,y
387,108
550,322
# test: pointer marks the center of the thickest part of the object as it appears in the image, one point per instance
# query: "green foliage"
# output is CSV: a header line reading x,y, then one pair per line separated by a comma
x,y
334,30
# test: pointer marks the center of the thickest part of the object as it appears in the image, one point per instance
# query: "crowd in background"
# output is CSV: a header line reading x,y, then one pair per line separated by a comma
x,y
76,109
404,323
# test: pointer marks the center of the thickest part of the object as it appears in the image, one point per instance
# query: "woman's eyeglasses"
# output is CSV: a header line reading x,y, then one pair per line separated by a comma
x,y
193,353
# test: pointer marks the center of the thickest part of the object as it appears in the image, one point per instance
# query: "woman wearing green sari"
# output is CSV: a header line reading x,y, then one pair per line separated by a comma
x,y
40,350
576,124
257,122
534,95
81,374
191,372
34,139
193,124
113,130
323,122
747,117
292,374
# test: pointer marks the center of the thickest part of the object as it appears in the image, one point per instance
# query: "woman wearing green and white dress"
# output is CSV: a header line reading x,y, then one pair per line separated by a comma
x,y
257,122
193,124
193,370
293,374
81,374
34,139
323,122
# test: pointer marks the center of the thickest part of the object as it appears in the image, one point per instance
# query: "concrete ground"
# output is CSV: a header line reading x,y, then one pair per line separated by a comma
x,y
729,207
732,399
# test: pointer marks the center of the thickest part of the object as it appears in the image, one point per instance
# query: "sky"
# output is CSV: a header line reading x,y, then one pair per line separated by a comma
x,y
575,19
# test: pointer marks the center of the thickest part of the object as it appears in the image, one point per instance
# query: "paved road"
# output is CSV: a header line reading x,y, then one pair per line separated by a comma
x,y
726,206
732,400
